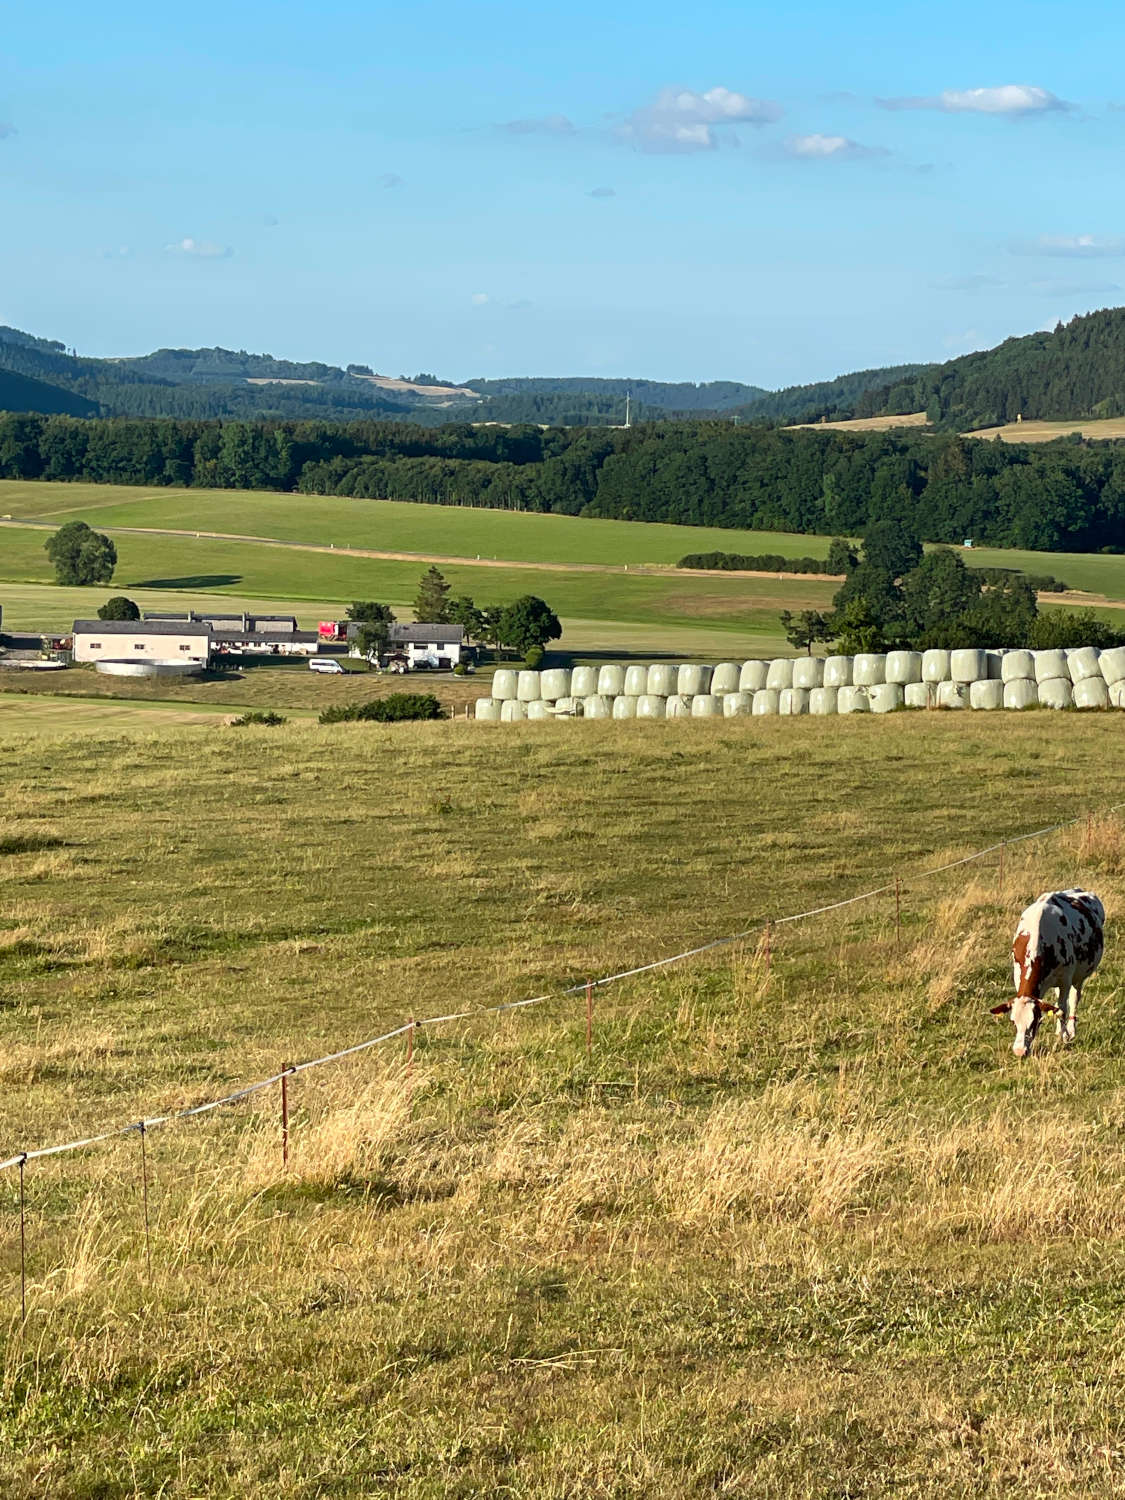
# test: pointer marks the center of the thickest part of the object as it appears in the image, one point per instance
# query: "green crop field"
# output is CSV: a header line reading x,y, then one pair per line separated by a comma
x,y
795,1231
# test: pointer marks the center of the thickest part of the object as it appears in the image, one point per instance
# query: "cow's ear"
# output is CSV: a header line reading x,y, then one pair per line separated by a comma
x,y
1001,1010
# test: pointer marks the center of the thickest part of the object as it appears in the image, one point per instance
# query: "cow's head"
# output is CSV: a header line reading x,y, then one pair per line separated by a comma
x,y
1026,1014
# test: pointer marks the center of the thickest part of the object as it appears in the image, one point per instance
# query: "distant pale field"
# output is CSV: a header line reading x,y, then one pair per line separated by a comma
x,y
43,711
867,424
1044,432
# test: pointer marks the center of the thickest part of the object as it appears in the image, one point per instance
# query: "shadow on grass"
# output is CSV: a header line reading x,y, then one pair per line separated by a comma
x,y
191,581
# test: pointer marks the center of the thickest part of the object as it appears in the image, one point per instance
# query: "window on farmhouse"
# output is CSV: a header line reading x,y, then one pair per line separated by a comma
x,y
95,645
139,646
185,648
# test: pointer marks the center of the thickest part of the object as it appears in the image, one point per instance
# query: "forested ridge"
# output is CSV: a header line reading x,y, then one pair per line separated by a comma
x,y
1058,496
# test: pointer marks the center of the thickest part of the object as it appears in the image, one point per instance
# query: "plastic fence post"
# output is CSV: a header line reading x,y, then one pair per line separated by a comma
x,y
285,1118
144,1196
23,1246
410,1060
589,1016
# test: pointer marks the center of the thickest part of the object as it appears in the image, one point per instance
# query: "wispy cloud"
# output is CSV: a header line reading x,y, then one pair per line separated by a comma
x,y
390,180
539,125
683,121
1012,99
602,192
480,299
816,147
1075,246
200,249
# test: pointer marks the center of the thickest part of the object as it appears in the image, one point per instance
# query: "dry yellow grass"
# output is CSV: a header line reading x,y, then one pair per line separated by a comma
x,y
868,424
1033,431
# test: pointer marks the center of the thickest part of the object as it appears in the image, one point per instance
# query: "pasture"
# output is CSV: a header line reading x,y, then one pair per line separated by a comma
x,y
1035,431
793,1231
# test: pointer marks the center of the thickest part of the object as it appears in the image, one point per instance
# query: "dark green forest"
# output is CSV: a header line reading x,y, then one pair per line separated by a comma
x,y
1068,495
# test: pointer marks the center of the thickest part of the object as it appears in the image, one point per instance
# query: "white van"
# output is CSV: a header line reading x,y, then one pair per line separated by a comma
x,y
324,664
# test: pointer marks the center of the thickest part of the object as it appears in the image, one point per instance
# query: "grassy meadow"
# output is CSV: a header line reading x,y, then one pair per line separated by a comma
x,y
798,1231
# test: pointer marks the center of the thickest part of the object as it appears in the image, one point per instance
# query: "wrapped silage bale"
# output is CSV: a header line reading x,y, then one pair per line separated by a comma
x,y
904,666
780,674
677,706
527,687
1016,665
595,706
611,680
624,706
765,701
539,709
636,680
1117,693
953,694
868,668
651,706
736,704
724,679
706,706
793,701
919,694
837,671
661,679
853,700
1083,663
512,710
885,697
968,665
808,672
1056,692
692,679
1050,665
505,684
822,700
568,708
986,694
752,678
487,709
1021,692
554,683
583,682
935,665
995,663
1111,664
1091,692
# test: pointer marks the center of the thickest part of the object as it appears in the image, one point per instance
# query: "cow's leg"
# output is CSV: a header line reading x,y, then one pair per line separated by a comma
x,y
1065,1024
1068,1012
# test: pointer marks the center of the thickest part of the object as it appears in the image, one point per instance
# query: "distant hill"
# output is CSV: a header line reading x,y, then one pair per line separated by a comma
x,y
21,393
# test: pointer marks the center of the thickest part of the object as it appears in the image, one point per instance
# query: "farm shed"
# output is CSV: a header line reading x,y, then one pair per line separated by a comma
x,y
428,645
141,640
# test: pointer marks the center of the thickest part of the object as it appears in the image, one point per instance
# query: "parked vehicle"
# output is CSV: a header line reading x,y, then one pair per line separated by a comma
x,y
324,664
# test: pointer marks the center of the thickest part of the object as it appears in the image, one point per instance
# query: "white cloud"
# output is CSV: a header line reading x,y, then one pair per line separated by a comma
x,y
479,299
818,147
200,249
539,125
1076,246
1013,99
680,120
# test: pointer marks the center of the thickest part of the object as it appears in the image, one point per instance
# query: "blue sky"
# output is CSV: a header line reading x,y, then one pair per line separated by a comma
x,y
768,194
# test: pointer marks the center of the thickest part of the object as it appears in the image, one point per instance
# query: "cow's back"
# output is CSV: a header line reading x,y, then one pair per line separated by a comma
x,y
1058,941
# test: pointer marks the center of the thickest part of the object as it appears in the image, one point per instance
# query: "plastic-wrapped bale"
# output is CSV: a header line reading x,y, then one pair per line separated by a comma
x,y
904,666
583,682
527,687
752,678
611,680
766,701
935,665
953,695
995,662
1091,692
808,672
1117,693
692,679
706,706
554,683
512,710
885,697
735,704
636,680
539,709
724,679
568,708
1084,662
986,694
919,694
780,674
661,680
868,668
1017,665
651,706
677,706
487,709
1056,692
1021,692
853,700
793,701
1049,665
837,671
822,700
624,706
505,684
1111,664
595,706
968,665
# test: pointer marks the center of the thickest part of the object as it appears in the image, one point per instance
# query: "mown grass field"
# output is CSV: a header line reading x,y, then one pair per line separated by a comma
x,y
798,1233
1034,431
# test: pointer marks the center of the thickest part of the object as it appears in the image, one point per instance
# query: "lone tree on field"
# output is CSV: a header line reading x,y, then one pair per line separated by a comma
x,y
528,622
371,611
119,608
81,555
431,606
805,629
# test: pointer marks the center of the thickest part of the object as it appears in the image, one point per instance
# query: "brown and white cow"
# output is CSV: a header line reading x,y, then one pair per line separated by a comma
x,y
1057,946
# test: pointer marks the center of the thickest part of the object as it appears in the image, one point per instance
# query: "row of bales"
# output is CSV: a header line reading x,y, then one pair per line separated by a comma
x,y
1083,677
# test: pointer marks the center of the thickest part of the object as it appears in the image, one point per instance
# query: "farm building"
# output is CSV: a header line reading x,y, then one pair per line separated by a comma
x,y
238,633
141,640
424,645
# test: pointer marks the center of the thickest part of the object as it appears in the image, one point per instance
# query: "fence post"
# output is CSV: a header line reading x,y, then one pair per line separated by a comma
x,y
1001,869
285,1119
769,944
898,913
23,1246
589,1016
410,1061
144,1196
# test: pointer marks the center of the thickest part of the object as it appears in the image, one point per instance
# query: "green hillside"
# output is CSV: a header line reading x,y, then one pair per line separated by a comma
x,y
20,393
